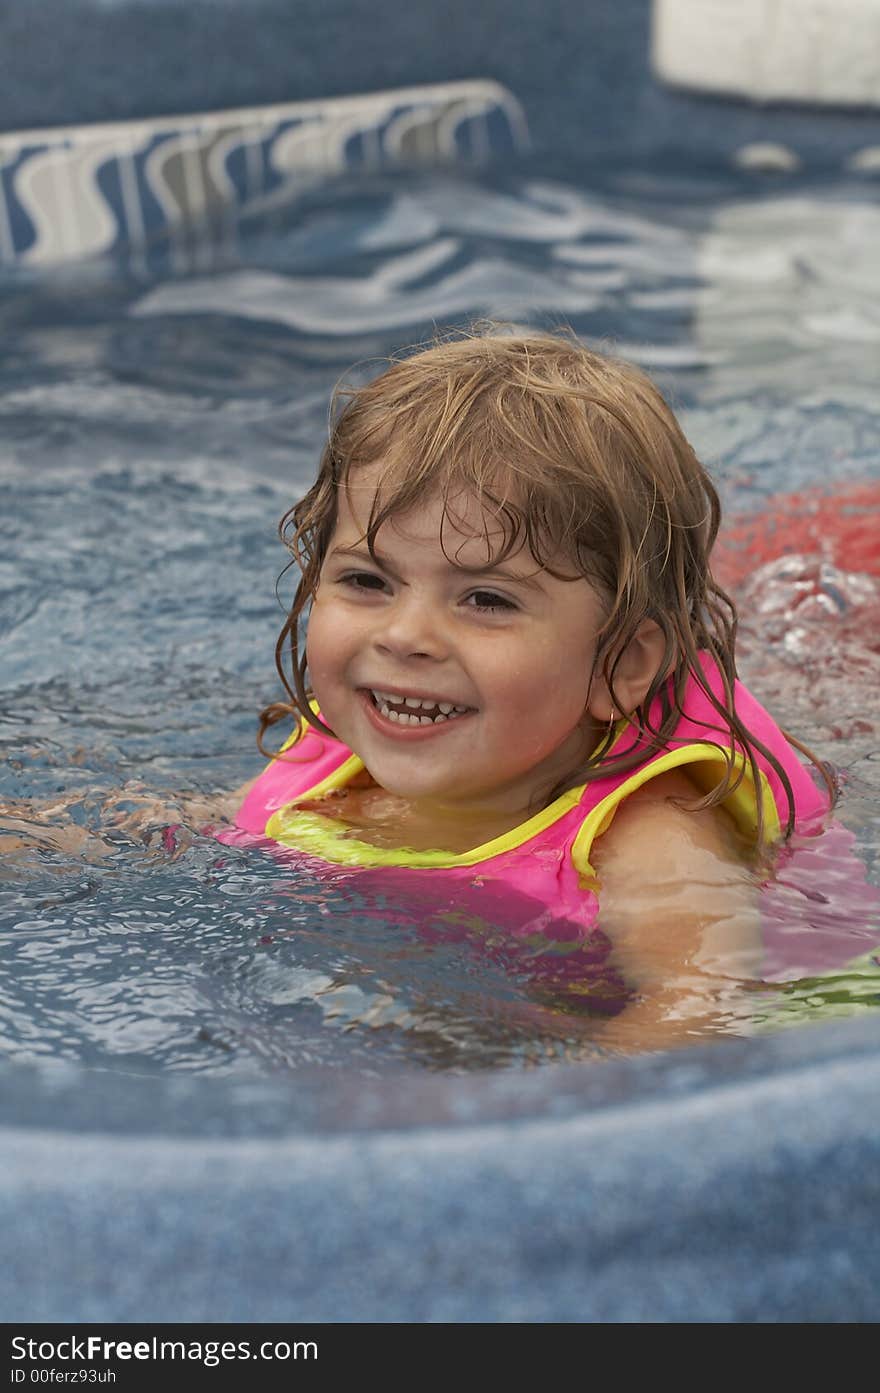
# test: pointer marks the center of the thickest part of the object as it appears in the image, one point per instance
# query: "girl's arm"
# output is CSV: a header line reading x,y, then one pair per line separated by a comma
x,y
680,905
132,811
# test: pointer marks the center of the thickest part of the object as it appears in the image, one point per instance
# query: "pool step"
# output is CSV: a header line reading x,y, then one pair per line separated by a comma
x,y
80,191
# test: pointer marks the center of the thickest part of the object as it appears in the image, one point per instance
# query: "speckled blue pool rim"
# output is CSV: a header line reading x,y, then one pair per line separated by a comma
x,y
79,191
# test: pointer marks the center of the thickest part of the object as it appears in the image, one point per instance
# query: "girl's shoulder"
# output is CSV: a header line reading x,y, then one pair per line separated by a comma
x,y
676,885
654,840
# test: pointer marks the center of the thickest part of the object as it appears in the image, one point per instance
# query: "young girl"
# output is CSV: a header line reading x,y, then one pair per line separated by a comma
x,y
516,709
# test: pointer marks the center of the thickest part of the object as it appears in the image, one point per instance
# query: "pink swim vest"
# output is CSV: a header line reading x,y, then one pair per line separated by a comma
x,y
534,883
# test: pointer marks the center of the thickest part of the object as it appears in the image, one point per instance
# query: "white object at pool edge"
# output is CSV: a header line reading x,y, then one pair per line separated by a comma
x,y
825,51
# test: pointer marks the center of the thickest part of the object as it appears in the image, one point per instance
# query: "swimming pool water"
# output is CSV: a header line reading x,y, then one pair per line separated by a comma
x,y
156,419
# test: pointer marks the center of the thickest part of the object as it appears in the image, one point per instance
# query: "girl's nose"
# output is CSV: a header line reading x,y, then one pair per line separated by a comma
x,y
411,627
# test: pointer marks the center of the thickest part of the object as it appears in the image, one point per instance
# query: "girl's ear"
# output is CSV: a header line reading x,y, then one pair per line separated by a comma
x,y
637,666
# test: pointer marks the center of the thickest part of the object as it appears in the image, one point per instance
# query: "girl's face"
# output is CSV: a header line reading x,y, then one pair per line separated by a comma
x,y
514,645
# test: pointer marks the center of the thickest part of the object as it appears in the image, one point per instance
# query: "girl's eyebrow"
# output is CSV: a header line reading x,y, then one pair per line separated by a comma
x,y
364,555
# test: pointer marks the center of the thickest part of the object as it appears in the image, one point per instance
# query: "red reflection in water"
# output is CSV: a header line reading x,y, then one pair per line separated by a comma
x,y
840,526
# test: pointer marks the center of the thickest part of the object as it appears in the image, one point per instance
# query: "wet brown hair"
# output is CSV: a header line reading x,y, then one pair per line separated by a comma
x,y
576,454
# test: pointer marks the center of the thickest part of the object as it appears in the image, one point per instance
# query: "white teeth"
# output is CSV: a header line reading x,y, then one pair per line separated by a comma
x,y
448,712
384,700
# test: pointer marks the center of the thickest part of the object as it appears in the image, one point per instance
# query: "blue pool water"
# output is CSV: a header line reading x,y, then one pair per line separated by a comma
x,y
157,417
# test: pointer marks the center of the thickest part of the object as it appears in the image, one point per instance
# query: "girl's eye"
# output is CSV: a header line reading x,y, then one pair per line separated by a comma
x,y
359,575
491,600
486,599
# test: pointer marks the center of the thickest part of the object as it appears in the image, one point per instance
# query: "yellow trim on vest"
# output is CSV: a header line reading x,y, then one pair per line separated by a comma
x,y
331,839
703,756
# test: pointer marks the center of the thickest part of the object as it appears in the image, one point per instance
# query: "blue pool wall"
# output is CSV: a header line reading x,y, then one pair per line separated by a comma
x,y
580,67
734,1183
738,1182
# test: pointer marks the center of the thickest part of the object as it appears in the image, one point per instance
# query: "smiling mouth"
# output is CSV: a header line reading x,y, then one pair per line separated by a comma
x,y
407,716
